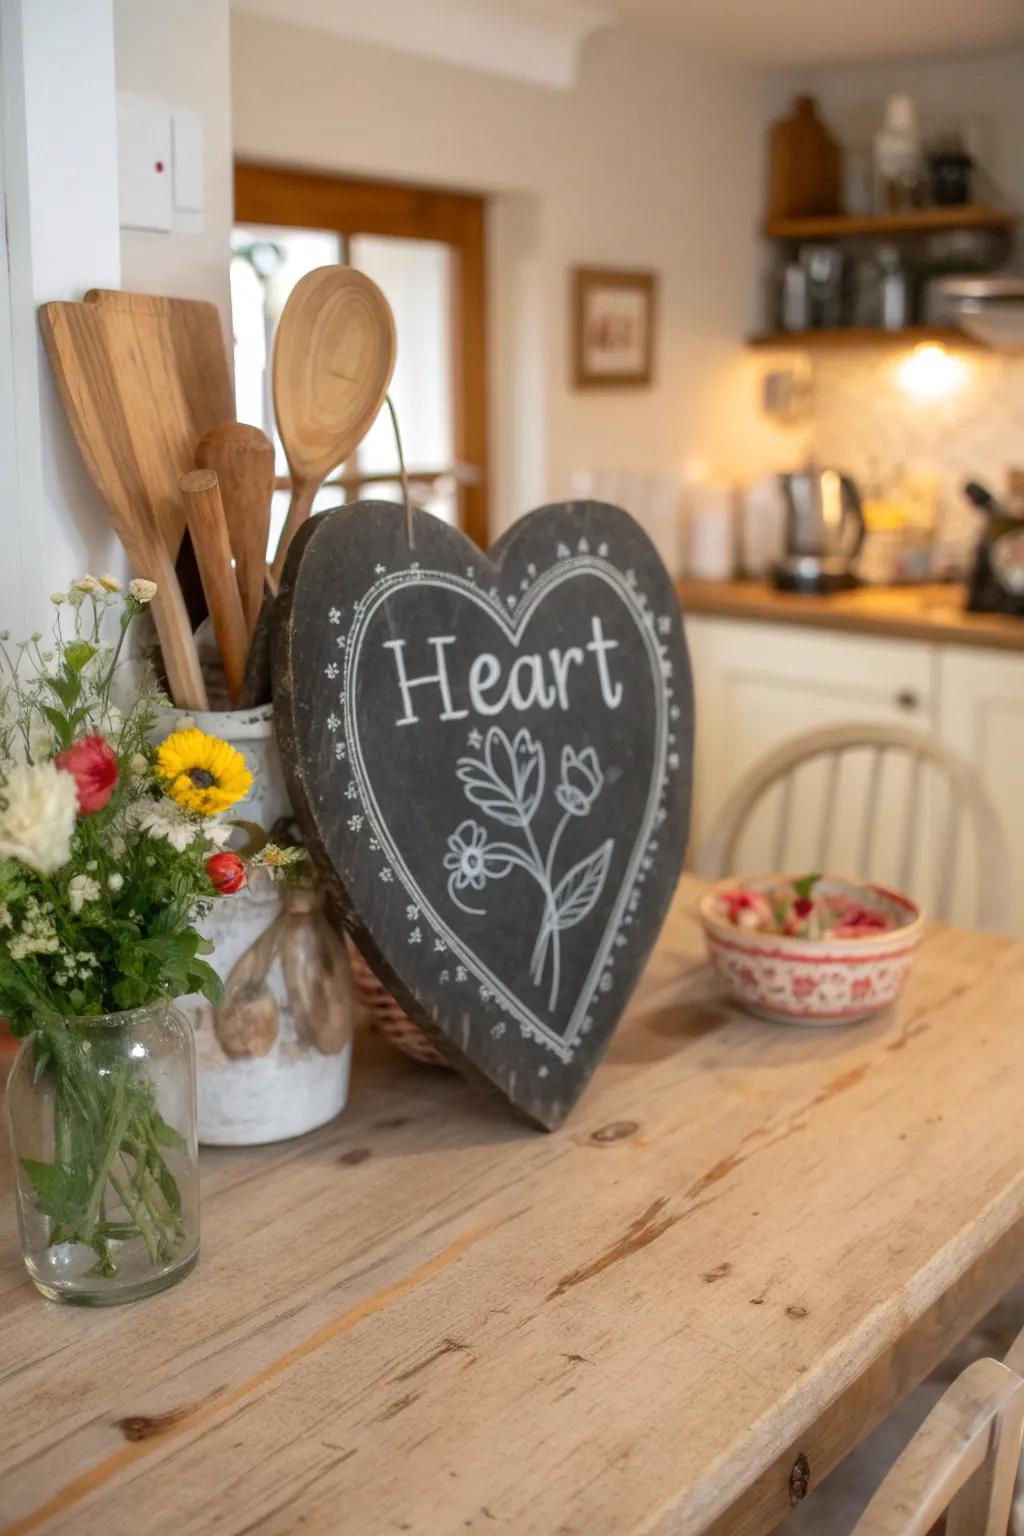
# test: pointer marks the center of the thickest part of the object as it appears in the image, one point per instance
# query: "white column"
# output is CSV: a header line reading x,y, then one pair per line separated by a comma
x,y
58,176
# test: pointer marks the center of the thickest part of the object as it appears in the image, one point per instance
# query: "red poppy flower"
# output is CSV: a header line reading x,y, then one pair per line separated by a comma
x,y
92,764
227,873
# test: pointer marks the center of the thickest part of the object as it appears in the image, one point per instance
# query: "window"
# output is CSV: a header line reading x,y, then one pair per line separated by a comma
x,y
424,249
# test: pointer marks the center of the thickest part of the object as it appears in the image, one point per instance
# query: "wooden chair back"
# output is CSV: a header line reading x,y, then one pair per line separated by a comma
x,y
962,1463
966,805
1015,1362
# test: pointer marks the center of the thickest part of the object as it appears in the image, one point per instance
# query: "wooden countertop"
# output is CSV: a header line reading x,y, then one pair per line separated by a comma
x,y
744,1245
933,612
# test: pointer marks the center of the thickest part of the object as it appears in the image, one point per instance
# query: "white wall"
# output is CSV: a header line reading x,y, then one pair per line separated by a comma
x,y
178,52
59,180
654,160
58,174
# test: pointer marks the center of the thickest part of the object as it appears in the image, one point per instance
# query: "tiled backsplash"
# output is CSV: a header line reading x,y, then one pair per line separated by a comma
x,y
872,420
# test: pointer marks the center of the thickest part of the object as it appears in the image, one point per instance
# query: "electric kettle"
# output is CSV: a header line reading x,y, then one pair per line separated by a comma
x,y
824,530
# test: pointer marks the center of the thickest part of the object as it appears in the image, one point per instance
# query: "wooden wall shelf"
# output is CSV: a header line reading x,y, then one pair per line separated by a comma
x,y
857,336
920,221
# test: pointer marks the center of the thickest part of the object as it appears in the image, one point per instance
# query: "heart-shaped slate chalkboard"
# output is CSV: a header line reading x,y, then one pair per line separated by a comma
x,y
491,756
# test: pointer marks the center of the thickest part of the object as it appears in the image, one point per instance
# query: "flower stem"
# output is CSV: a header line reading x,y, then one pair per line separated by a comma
x,y
119,1115
134,1211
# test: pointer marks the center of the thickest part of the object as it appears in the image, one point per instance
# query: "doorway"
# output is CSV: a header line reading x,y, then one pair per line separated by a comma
x,y
425,250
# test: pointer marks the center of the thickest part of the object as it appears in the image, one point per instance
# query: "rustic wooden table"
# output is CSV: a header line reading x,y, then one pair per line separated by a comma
x,y
747,1243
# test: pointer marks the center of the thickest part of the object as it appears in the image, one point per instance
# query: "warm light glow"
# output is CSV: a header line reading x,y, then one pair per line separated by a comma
x,y
930,371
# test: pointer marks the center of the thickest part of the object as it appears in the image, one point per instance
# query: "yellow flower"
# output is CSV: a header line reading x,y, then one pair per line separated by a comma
x,y
202,773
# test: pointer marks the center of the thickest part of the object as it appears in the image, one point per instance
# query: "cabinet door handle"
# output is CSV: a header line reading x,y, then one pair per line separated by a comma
x,y
908,699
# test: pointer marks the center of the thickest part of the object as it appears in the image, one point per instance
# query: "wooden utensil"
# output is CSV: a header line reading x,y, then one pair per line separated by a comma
x,y
333,360
243,459
77,338
174,383
207,524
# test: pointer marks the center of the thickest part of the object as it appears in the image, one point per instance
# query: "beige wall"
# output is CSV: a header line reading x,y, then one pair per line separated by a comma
x,y
177,51
654,160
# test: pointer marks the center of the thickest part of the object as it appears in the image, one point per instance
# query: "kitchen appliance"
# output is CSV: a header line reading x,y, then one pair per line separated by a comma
x,y
996,582
989,308
824,531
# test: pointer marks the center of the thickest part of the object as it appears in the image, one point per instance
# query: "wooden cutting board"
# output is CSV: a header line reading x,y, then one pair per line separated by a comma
x,y
112,379
169,370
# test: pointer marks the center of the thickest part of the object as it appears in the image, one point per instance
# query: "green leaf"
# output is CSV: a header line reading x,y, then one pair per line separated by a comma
x,y
79,654
59,722
165,1135
203,978
804,887
67,689
169,1188
62,1193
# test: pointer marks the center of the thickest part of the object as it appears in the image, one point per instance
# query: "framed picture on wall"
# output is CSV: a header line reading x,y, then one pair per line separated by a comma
x,y
613,327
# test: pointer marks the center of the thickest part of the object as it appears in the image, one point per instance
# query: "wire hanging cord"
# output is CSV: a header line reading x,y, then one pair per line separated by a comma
x,y
404,478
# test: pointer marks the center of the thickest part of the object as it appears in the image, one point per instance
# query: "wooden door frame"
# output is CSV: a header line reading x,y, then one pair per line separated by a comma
x,y
272,194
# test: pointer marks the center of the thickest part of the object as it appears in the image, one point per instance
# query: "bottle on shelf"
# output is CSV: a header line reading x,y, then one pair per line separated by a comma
x,y
899,161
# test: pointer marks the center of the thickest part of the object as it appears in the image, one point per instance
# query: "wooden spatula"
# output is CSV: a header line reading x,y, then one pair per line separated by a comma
x,y
333,360
170,369
78,341
207,524
242,458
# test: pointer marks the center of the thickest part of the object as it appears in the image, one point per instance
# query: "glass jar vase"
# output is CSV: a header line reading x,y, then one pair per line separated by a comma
x,y
102,1115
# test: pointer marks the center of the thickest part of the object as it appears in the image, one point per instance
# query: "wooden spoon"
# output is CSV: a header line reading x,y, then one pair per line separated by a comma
x,y
209,530
243,460
333,360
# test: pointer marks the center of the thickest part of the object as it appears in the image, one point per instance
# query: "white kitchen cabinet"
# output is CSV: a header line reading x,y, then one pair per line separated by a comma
x,y
981,717
758,684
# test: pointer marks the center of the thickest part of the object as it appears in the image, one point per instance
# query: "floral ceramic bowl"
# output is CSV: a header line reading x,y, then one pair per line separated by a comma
x,y
791,979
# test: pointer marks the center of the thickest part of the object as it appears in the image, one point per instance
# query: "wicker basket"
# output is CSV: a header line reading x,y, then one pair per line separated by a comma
x,y
388,1019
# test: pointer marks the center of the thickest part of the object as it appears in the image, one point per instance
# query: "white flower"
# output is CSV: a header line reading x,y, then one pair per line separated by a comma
x,y
161,818
142,590
81,888
219,832
40,741
139,764
85,583
111,583
37,934
38,804
115,881
5,915
56,598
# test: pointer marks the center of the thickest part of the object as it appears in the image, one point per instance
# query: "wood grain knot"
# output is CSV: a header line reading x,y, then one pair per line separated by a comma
x,y
796,1313
617,1131
799,1480
142,1426
718,1273
355,1156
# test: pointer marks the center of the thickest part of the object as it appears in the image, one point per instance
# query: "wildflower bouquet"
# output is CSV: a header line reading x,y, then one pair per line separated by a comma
x,y
111,851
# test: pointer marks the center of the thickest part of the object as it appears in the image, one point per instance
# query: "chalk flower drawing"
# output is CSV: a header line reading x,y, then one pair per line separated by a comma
x,y
582,781
507,784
